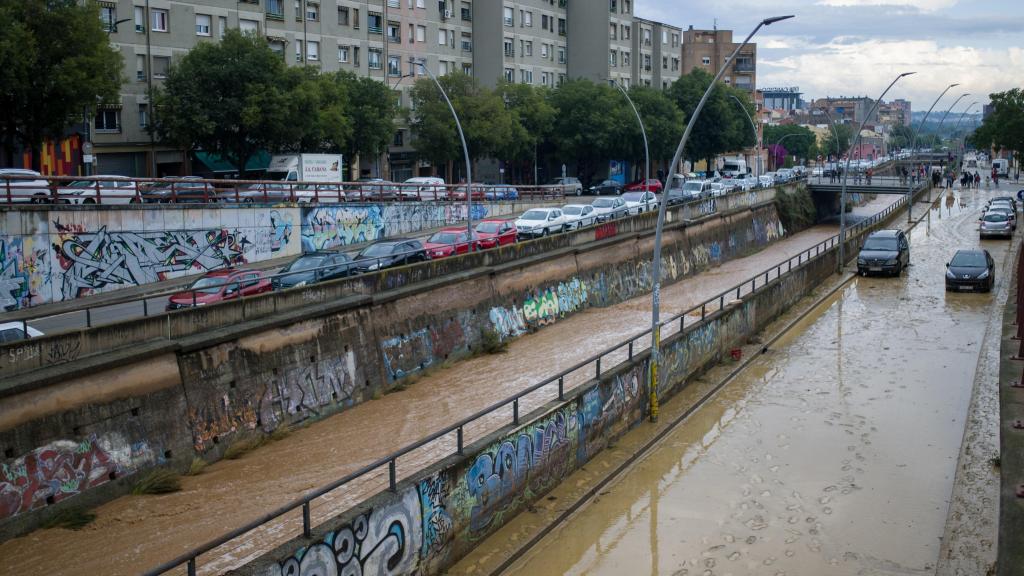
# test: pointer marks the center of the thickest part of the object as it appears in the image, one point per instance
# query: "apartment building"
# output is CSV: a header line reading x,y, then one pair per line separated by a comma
x,y
709,50
847,110
540,42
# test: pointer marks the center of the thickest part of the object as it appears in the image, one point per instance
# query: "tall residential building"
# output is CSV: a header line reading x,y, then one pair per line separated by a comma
x,y
539,42
845,110
709,50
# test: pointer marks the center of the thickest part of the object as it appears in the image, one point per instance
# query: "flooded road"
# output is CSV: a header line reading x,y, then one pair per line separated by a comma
x,y
153,529
835,453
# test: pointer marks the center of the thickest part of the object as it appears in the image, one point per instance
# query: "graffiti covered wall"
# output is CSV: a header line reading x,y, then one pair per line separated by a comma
x,y
325,227
64,254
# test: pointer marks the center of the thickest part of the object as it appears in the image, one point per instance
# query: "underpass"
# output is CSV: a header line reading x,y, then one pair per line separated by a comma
x,y
835,452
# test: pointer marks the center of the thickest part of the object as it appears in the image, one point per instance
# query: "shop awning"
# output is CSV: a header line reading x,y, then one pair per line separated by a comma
x,y
258,162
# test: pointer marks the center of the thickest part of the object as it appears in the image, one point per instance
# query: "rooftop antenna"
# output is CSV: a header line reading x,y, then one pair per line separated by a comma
x,y
716,24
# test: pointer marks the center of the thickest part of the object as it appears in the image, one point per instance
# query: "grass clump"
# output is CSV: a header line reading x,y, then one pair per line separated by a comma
x,y
796,209
159,481
197,466
71,519
247,444
491,342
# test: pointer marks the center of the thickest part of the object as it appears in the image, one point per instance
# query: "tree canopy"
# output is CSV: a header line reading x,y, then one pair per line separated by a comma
x,y
593,124
55,62
722,126
799,141
1004,127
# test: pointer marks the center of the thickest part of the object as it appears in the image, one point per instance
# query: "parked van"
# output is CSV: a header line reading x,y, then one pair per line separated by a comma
x,y
1001,166
734,168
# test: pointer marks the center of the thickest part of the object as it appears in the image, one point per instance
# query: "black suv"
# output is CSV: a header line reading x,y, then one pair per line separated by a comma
x,y
884,252
388,253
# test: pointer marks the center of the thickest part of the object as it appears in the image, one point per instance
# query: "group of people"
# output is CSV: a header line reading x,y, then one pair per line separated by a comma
x,y
967,180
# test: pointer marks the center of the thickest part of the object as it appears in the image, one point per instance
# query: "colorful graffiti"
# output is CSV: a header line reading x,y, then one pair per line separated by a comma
x,y
604,407
65,468
540,308
408,353
23,273
327,227
606,230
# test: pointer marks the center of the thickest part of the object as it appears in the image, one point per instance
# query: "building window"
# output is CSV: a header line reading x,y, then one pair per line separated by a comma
x,y
277,47
544,52
625,58
561,26
675,64
442,37
355,56
510,75
298,50
399,139
143,115
342,16
249,27
140,19
507,16
561,55
395,32
374,21
510,49
108,16
647,62
161,64
467,69
222,26
421,33
313,50
312,12
373,59
159,20
467,42
613,6
544,21
355,18
675,40
705,61
647,37
664,62
664,36
528,48
140,67
420,4
343,54
627,32
526,76
528,19
627,6
466,11
108,120
275,9
202,25
394,66
613,30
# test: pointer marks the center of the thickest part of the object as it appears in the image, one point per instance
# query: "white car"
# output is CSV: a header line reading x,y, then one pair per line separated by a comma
x,y
578,215
425,188
697,189
610,208
749,183
15,331
23,186
639,202
786,174
540,222
112,190
769,179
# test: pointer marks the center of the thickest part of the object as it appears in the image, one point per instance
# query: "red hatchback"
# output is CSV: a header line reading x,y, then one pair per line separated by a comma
x,y
221,285
653,184
449,242
494,233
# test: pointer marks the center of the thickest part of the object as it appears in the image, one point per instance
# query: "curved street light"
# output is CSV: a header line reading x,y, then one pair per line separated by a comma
x,y
846,174
643,131
656,264
832,126
913,151
465,151
950,109
757,140
962,114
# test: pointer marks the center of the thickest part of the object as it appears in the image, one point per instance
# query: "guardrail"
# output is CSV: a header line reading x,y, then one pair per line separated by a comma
x,y
634,344
22,189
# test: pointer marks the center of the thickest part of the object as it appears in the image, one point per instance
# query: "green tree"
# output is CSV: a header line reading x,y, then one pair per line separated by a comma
x,y
487,124
800,141
325,123
233,98
1004,127
664,123
900,136
829,148
721,128
592,125
56,61
532,117
373,107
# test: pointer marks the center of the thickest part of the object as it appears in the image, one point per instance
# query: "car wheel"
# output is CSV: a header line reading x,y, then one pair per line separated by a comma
x,y
88,201
134,201
579,191
544,233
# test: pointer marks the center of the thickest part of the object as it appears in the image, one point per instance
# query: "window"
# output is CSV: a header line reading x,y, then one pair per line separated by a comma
x,y
647,62
298,50
108,120
421,33
442,37
544,21
443,68
664,36
613,58
160,66
342,16
143,115
528,19
222,25
420,4
355,56
467,69
705,61
507,18
627,6
108,16
544,52
395,4
509,47
647,37
510,75
613,6
627,32
140,19
313,50
343,54
561,26
275,9
467,42
613,31
394,33
140,67
664,62
312,12
625,58
545,78
526,76
675,40
466,11
374,21
277,47
675,64
202,25
394,66
561,55
528,48
159,20
374,58
355,18
399,139
249,27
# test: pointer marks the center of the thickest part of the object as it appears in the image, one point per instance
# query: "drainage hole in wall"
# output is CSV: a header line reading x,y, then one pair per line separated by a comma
x,y
112,475
346,348
216,439
231,384
367,383
334,395
50,500
77,431
9,453
135,411
312,359
167,454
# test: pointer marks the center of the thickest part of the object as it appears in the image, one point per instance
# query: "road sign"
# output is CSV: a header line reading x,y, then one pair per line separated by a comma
x,y
1020,195
88,158
87,148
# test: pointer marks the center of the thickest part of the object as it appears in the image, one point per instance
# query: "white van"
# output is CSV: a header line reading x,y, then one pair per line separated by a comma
x,y
424,187
1001,166
734,168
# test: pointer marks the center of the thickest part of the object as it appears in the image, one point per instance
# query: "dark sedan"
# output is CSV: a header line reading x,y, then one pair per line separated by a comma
x,y
312,268
389,253
971,270
606,187
182,190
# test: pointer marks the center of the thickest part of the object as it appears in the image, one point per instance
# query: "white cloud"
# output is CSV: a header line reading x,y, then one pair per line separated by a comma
x,y
923,5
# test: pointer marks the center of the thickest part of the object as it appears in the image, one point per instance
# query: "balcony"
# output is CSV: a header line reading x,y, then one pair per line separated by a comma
x,y
744,67
275,10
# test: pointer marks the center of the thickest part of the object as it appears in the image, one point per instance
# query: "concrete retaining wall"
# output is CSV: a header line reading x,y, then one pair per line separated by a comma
x,y
55,254
197,394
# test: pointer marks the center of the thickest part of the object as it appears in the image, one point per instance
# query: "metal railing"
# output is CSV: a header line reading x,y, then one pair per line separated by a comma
x,y
15,189
593,364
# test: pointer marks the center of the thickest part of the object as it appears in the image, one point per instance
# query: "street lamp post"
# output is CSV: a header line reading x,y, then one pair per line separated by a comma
x,y
465,150
757,140
939,129
913,151
835,134
846,174
957,127
656,265
643,131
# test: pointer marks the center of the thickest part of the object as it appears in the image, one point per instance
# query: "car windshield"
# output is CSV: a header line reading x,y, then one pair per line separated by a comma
x,y
996,217
444,238
603,203
377,250
969,260
535,215
210,284
695,186
887,244
572,210
305,263
487,227
633,196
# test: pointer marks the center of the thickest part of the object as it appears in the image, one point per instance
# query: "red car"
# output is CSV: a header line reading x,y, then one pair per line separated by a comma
x,y
653,184
459,192
494,233
221,285
449,242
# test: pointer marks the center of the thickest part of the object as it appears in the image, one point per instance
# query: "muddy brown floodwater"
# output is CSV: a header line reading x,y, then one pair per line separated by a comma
x,y
134,533
834,453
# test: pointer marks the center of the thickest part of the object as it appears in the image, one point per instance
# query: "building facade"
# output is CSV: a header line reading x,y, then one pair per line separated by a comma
x,y
709,50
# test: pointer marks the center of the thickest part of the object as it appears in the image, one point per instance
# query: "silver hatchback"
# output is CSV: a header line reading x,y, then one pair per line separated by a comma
x,y
996,224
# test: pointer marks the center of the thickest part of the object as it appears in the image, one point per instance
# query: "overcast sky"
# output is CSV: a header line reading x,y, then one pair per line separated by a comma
x,y
856,47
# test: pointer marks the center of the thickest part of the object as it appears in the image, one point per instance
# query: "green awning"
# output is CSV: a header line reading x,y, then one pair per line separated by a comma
x,y
258,162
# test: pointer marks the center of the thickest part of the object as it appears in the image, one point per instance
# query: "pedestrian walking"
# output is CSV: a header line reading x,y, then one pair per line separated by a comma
x,y
977,180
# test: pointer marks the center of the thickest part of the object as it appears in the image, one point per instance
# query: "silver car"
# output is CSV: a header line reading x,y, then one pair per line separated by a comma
x,y
578,216
996,224
609,208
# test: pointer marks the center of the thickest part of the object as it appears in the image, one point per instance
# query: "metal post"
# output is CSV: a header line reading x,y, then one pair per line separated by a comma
x,y
465,149
656,265
392,482
939,129
459,440
643,132
913,151
757,140
846,174
515,411
305,519
149,95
